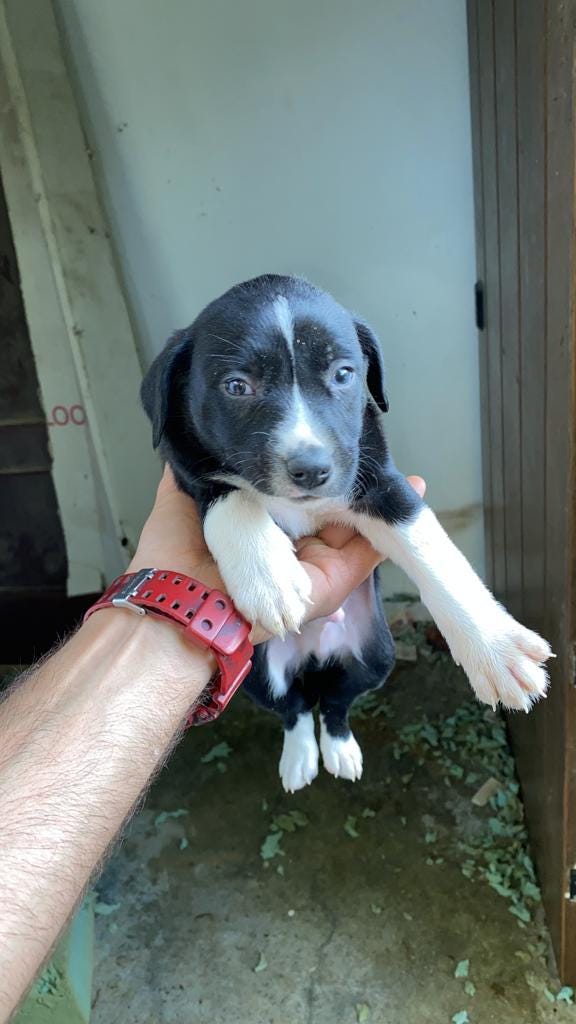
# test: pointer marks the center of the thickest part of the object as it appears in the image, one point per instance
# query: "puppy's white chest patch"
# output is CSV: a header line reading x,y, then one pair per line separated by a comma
x,y
302,520
341,634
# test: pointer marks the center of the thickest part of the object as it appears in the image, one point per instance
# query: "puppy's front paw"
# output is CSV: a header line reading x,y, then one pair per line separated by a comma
x,y
258,565
276,594
504,661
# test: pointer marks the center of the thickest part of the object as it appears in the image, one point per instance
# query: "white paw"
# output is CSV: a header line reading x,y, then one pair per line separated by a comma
x,y
503,660
257,562
276,592
342,756
299,762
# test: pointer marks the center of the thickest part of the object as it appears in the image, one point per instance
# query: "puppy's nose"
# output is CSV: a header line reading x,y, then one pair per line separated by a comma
x,y
309,467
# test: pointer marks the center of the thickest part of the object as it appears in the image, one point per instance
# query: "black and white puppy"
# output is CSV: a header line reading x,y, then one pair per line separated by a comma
x,y
269,410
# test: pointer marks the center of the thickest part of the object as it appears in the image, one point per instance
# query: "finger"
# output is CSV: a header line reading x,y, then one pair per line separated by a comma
x,y
356,561
331,536
333,578
167,482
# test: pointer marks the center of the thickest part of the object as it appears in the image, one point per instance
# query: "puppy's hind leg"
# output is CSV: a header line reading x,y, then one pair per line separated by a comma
x,y
341,752
299,761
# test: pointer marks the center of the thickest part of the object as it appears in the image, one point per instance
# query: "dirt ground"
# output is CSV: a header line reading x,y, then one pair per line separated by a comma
x,y
394,900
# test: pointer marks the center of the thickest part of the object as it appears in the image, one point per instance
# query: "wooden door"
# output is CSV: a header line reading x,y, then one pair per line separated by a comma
x,y
522,90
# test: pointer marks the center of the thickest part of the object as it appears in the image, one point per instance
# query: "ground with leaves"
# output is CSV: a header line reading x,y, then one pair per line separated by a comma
x,y
408,897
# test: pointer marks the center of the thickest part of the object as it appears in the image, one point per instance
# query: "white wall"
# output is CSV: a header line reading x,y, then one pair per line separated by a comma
x,y
324,138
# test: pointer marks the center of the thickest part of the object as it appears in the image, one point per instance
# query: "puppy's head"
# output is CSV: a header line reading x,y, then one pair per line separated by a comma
x,y
271,382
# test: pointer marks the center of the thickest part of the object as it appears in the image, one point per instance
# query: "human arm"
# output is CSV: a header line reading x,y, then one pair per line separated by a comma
x,y
82,735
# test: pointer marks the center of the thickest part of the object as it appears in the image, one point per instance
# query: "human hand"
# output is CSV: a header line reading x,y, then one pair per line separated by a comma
x,y
337,560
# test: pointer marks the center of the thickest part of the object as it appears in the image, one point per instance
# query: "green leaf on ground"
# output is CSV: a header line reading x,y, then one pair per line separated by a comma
x,y
271,846
221,750
105,909
462,969
261,965
164,815
350,826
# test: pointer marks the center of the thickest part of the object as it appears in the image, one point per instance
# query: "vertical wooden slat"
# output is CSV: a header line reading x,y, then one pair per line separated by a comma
x,y
561,17
539,752
492,284
477,161
531,92
510,401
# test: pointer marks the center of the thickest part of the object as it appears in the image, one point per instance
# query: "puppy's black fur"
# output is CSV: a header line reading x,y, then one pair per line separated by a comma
x,y
216,440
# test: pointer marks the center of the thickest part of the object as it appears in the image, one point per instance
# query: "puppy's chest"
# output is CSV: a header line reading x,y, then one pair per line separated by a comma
x,y
304,520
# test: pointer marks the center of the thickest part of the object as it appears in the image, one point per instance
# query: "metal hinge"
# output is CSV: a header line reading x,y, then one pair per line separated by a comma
x,y
479,305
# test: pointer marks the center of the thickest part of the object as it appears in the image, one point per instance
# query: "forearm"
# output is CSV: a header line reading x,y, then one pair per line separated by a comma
x,y
79,741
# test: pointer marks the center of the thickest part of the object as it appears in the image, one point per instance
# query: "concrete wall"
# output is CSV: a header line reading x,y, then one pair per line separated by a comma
x,y
324,138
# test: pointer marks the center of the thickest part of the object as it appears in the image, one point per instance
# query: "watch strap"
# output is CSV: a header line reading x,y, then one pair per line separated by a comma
x,y
208,619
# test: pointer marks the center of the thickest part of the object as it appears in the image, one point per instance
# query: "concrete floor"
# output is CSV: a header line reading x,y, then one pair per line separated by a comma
x,y
366,910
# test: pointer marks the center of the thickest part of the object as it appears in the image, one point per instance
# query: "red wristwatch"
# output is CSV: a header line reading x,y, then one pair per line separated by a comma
x,y
208,617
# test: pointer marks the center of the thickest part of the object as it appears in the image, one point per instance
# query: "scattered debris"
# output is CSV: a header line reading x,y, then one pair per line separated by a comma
x,y
280,870
280,824
462,969
264,804
470,988
368,813
291,913
566,995
220,752
375,908
48,982
184,844
261,965
350,827
435,639
496,849
164,815
461,1017
362,1012
406,652
484,795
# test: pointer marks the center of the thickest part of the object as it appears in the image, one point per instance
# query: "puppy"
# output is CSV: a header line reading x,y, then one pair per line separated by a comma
x,y
269,410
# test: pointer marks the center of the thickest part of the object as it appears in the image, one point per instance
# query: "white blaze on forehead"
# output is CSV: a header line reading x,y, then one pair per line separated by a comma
x,y
301,428
284,320
298,427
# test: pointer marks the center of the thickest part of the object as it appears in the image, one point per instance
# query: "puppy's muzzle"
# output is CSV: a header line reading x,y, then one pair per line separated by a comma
x,y
309,467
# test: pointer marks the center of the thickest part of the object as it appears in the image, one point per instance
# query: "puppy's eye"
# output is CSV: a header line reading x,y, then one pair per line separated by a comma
x,y
238,387
343,375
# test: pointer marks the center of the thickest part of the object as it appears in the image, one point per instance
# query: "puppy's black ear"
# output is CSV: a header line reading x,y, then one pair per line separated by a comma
x,y
375,375
157,383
